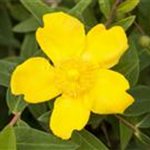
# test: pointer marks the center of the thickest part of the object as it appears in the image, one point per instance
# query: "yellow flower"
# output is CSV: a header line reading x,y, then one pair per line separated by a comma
x,y
80,73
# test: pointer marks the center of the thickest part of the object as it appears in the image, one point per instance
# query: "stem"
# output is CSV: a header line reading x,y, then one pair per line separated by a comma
x,y
14,120
109,19
130,125
139,28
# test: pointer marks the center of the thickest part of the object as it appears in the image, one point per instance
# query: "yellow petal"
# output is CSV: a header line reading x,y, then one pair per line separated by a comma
x,y
106,46
62,36
109,93
34,79
68,115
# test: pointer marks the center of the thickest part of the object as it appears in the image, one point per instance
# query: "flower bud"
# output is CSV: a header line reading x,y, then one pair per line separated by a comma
x,y
144,41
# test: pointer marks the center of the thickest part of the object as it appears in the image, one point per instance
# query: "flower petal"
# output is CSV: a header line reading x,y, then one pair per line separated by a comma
x,y
106,46
68,115
62,36
34,79
109,94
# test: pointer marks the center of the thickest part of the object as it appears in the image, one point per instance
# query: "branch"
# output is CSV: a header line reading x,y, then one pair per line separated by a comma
x,y
109,19
14,120
130,125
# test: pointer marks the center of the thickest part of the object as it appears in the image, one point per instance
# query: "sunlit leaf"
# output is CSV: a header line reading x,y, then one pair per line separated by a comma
x,y
126,22
8,139
127,6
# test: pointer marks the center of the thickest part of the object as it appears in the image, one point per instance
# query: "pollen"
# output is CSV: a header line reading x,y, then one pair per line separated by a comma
x,y
75,77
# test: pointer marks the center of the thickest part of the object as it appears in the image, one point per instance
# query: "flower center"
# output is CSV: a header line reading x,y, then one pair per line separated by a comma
x,y
75,77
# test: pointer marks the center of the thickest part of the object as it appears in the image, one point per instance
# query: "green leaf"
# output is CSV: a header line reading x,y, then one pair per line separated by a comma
x,y
28,25
21,123
95,120
6,30
144,59
44,119
37,8
142,15
29,46
143,138
105,7
127,6
142,101
126,22
16,104
18,12
8,139
38,109
7,66
87,141
79,8
125,135
129,65
144,123
31,139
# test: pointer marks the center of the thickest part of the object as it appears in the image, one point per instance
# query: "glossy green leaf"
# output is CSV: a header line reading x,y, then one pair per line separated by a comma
x,y
16,104
7,139
141,105
125,135
28,25
87,141
31,139
126,22
129,65
105,7
127,6
37,8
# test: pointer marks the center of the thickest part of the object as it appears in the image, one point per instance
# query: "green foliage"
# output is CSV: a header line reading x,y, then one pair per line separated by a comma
x,y
87,141
126,22
142,103
6,30
28,138
37,8
7,66
129,65
19,21
125,135
8,139
127,6
16,104
28,25
105,6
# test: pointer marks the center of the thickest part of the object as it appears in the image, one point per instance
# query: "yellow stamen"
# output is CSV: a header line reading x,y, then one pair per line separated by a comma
x,y
75,77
